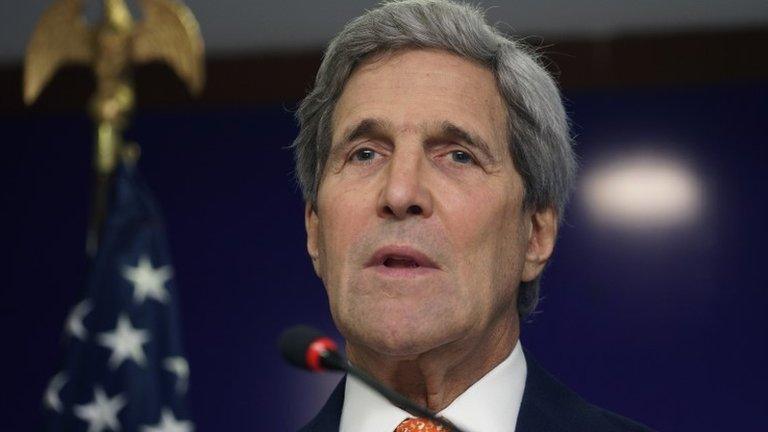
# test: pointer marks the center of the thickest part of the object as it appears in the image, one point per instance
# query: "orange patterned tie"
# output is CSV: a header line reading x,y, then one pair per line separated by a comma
x,y
419,425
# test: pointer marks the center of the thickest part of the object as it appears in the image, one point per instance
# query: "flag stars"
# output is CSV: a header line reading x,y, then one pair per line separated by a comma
x,y
148,281
169,423
180,368
74,326
52,399
101,413
125,341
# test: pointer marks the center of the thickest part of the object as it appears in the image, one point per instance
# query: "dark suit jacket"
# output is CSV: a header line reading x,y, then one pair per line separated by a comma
x,y
547,406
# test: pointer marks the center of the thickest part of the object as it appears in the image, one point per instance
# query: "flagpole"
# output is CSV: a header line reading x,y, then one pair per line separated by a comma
x,y
110,107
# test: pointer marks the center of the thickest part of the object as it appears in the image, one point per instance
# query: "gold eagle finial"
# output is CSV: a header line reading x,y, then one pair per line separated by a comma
x,y
168,32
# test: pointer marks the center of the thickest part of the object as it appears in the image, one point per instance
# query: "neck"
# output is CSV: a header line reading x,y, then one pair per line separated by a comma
x,y
437,377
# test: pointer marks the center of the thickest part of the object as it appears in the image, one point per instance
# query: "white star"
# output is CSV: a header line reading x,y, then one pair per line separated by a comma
x,y
168,423
148,281
101,413
51,398
74,326
179,367
125,342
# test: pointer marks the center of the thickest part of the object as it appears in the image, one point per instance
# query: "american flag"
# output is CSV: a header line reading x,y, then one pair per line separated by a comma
x,y
124,368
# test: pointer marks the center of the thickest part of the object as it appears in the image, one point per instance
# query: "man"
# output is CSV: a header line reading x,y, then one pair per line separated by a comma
x,y
435,162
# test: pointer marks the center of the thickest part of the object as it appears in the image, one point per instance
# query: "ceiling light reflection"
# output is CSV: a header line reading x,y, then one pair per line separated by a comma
x,y
643,192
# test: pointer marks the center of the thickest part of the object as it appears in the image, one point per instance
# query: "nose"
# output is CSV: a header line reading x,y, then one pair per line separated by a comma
x,y
405,193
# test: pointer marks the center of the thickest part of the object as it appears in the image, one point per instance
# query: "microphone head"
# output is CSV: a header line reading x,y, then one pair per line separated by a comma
x,y
304,347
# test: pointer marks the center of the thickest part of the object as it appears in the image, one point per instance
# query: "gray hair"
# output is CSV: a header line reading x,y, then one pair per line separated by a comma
x,y
539,141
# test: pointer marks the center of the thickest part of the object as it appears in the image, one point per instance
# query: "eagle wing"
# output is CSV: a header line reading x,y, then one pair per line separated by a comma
x,y
61,36
169,32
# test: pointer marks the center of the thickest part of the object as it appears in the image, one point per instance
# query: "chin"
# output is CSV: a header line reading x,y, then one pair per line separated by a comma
x,y
401,319
402,337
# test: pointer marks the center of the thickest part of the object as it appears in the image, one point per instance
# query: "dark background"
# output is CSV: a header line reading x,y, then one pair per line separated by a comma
x,y
667,326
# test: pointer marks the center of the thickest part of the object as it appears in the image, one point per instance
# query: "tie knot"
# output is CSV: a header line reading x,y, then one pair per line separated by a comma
x,y
420,425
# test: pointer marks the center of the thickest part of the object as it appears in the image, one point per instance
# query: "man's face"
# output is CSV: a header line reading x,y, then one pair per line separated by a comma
x,y
419,232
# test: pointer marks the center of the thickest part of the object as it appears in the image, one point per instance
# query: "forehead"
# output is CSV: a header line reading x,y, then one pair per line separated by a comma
x,y
411,88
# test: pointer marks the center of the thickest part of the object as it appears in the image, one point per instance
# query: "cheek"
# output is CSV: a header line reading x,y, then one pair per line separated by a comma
x,y
342,226
487,240
510,254
478,222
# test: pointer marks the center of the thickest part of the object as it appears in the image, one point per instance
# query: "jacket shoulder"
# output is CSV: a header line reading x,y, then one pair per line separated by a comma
x,y
550,406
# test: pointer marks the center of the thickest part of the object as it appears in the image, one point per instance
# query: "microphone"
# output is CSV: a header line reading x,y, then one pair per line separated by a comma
x,y
307,348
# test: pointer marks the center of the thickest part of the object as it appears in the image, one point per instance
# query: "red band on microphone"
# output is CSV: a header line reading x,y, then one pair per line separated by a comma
x,y
316,348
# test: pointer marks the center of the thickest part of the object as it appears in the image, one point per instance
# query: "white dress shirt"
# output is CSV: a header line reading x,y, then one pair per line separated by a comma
x,y
489,405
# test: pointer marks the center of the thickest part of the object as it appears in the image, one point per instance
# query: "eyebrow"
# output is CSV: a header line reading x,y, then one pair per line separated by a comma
x,y
452,131
366,127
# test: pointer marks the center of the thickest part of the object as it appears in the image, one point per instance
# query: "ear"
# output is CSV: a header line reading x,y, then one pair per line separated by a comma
x,y
541,242
311,223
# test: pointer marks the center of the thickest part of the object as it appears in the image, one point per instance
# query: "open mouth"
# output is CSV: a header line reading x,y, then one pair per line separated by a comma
x,y
401,258
400,262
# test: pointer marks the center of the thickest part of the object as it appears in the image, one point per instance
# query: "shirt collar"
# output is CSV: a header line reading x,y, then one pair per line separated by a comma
x,y
491,404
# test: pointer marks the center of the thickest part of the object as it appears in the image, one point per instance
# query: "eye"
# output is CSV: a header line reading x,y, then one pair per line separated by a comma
x,y
462,157
363,155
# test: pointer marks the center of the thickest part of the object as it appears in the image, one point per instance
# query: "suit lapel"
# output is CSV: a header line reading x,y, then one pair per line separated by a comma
x,y
533,417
